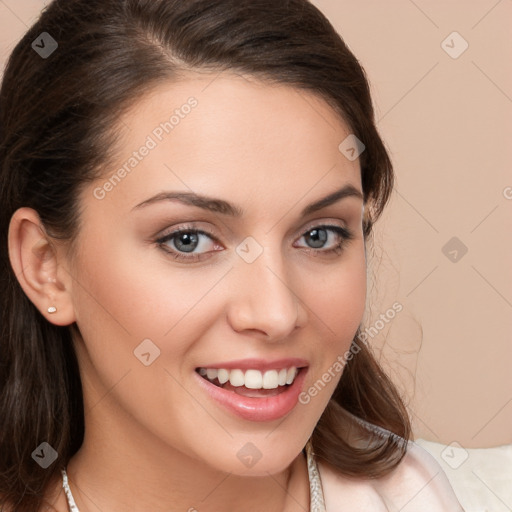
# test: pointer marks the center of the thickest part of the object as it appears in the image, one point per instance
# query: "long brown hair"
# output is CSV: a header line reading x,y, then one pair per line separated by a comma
x,y
57,113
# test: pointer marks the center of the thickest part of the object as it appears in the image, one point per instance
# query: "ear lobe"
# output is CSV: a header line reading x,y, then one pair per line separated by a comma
x,y
35,261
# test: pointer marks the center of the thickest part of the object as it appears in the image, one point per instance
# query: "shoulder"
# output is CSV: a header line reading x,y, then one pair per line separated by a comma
x,y
417,484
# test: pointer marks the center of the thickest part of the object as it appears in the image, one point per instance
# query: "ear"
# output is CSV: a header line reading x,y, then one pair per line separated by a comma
x,y
40,267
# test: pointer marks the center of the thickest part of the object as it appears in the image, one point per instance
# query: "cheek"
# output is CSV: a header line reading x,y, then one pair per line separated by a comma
x,y
336,307
124,298
137,296
336,298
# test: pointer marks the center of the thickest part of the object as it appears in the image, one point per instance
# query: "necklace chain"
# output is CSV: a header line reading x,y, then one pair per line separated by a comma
x,y
317,503
69,494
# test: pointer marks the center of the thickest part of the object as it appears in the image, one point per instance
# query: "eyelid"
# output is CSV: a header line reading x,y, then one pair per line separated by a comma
x,y
337,224
192,226
185,227
323,222
168,235
343,232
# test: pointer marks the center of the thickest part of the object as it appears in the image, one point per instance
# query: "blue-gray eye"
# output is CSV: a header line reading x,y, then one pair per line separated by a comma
x,y
317,236
186,242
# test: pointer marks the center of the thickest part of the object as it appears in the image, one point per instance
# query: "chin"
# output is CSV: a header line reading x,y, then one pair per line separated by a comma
x,y
257,459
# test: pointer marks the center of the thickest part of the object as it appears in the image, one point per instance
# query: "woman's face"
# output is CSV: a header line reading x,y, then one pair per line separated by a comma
x,y
258,285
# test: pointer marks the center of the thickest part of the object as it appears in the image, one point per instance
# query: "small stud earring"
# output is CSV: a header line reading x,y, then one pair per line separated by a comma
x,y
52,309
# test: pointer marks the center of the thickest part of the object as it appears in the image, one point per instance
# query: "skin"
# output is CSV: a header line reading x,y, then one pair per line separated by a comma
x,y
154,440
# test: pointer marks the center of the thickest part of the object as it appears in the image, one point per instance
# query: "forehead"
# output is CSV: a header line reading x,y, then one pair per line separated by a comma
x,y
230,136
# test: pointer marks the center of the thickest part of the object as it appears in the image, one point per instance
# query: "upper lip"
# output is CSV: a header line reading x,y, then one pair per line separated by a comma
x,y
259,364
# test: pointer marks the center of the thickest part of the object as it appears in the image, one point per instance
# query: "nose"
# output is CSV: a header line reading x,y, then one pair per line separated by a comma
x,y
264,300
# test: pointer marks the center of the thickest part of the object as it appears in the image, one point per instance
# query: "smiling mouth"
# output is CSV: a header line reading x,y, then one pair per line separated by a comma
x,y
251,383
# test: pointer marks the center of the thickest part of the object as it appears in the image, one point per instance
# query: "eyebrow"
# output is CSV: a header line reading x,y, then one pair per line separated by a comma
x,y
224,207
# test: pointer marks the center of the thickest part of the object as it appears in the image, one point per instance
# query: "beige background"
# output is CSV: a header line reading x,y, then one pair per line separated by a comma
x,y
447,122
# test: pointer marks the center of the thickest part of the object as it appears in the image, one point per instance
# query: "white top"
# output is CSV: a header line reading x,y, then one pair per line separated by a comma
x,y
417,484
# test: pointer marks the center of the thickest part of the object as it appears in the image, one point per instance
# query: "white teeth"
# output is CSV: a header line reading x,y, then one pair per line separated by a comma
x,y
291,375
223,375
236,378
252,379
211,373
270,379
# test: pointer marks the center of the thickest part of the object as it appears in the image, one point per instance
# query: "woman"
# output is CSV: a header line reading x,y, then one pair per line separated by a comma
x,y
188,187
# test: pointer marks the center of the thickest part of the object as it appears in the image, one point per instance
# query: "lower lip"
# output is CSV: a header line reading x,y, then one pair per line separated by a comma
x,y
257,409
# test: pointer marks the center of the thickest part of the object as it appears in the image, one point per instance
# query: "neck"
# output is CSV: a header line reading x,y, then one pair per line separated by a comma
x,y
122,472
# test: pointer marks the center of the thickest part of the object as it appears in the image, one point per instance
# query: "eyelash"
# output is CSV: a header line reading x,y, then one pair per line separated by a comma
x,y
344,234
